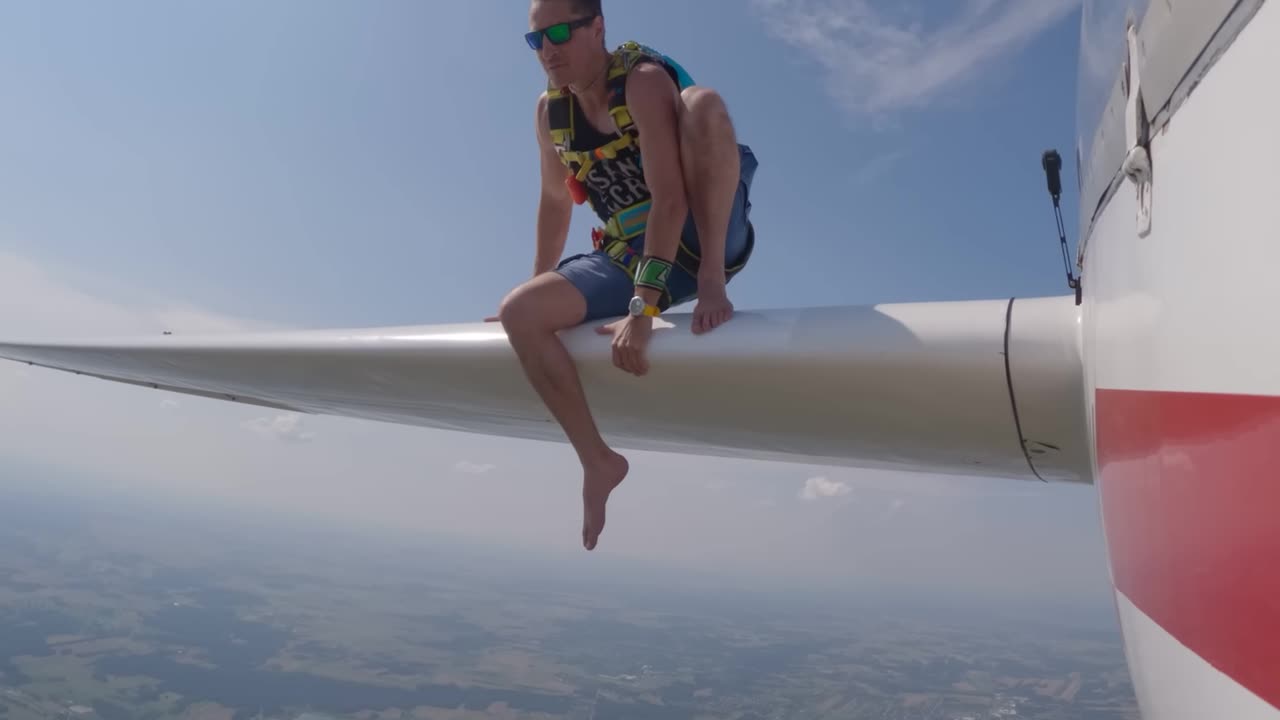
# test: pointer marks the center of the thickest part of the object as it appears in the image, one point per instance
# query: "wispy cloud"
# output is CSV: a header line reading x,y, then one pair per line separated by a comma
x,y
875,168
472,468
820,487
881,58
895,506
718,484
286,426
40,301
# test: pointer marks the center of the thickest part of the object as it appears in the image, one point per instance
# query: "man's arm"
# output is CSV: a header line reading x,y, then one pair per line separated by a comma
x,y
652,98
555,208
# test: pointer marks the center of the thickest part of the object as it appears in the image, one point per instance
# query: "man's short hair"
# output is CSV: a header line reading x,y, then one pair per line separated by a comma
x,y
586,8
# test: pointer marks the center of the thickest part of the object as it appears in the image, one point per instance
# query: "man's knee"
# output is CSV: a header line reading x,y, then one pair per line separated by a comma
x,y
544,304
518,311
704,112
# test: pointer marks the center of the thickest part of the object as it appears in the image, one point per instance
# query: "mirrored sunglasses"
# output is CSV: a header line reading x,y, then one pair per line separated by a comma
x,y
558,34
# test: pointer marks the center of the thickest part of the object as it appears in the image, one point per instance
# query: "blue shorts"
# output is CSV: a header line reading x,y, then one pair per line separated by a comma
x,y
608,289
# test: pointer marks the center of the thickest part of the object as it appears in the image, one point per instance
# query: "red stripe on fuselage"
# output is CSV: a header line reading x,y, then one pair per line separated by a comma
x,y
1190,487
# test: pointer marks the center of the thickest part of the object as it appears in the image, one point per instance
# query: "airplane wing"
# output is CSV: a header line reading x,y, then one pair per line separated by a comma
x,y
989,387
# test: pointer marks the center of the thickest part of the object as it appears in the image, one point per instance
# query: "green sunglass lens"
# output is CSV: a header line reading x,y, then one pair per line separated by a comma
x,y
558,33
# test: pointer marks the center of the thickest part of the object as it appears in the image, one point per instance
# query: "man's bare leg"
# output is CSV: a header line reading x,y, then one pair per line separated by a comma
x,y
709,154
531,315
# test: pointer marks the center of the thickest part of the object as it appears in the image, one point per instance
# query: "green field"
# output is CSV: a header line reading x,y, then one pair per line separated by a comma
x,y
107,615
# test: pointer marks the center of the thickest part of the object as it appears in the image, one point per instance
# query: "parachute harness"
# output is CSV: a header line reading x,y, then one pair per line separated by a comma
x,y
629,222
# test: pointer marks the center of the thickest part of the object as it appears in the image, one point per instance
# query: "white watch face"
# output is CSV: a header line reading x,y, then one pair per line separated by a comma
x,y
637,305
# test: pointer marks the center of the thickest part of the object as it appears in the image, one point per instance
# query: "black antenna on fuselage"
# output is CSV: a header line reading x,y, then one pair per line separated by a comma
x,y
1051,161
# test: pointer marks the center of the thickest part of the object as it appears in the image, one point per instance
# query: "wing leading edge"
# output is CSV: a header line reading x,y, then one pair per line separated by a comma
x,y
988,387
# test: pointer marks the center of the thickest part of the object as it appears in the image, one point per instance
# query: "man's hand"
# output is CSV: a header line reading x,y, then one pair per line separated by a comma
x,y
630,342
713,308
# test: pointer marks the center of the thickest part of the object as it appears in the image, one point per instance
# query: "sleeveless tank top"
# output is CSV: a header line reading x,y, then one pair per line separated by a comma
x,y
612,184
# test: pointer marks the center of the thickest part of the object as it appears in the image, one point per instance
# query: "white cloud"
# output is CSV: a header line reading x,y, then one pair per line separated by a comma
x,y
872,170
39,301
895,506
881,58
717,484
820,487
472,468
285,426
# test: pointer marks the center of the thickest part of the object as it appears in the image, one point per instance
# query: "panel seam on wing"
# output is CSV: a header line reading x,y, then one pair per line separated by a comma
x,y
1013,402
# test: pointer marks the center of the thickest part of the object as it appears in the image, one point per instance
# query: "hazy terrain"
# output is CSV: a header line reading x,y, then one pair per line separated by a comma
x,y
120,607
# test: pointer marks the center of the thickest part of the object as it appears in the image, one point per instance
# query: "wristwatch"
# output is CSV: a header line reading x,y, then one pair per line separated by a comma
x,y
639,307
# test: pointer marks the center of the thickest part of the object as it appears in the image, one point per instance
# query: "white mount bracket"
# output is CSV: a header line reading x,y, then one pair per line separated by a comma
x,y
1137,163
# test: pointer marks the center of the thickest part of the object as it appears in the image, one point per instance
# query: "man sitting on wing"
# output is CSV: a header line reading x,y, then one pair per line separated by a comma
x,y
656,158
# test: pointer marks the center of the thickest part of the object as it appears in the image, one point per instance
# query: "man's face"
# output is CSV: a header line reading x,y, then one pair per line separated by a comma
x,y
576,60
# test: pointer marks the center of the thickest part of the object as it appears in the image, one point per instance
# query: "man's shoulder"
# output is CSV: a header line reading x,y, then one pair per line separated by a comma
x,y
542,104
649,81
636,55
542,116
633,50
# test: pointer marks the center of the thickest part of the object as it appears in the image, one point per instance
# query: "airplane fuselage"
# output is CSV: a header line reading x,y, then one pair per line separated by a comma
x,y
1182,359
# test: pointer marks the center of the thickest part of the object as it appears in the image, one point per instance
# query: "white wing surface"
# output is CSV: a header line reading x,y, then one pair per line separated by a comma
x,y
989,387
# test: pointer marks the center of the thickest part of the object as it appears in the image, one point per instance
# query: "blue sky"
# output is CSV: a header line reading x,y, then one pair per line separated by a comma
x,y
361,163
247,164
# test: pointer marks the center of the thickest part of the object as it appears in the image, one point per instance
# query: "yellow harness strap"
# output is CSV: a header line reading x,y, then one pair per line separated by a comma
x,y
560,111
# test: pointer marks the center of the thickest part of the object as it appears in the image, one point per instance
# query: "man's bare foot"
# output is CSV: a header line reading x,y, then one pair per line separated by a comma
x,y
597,482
